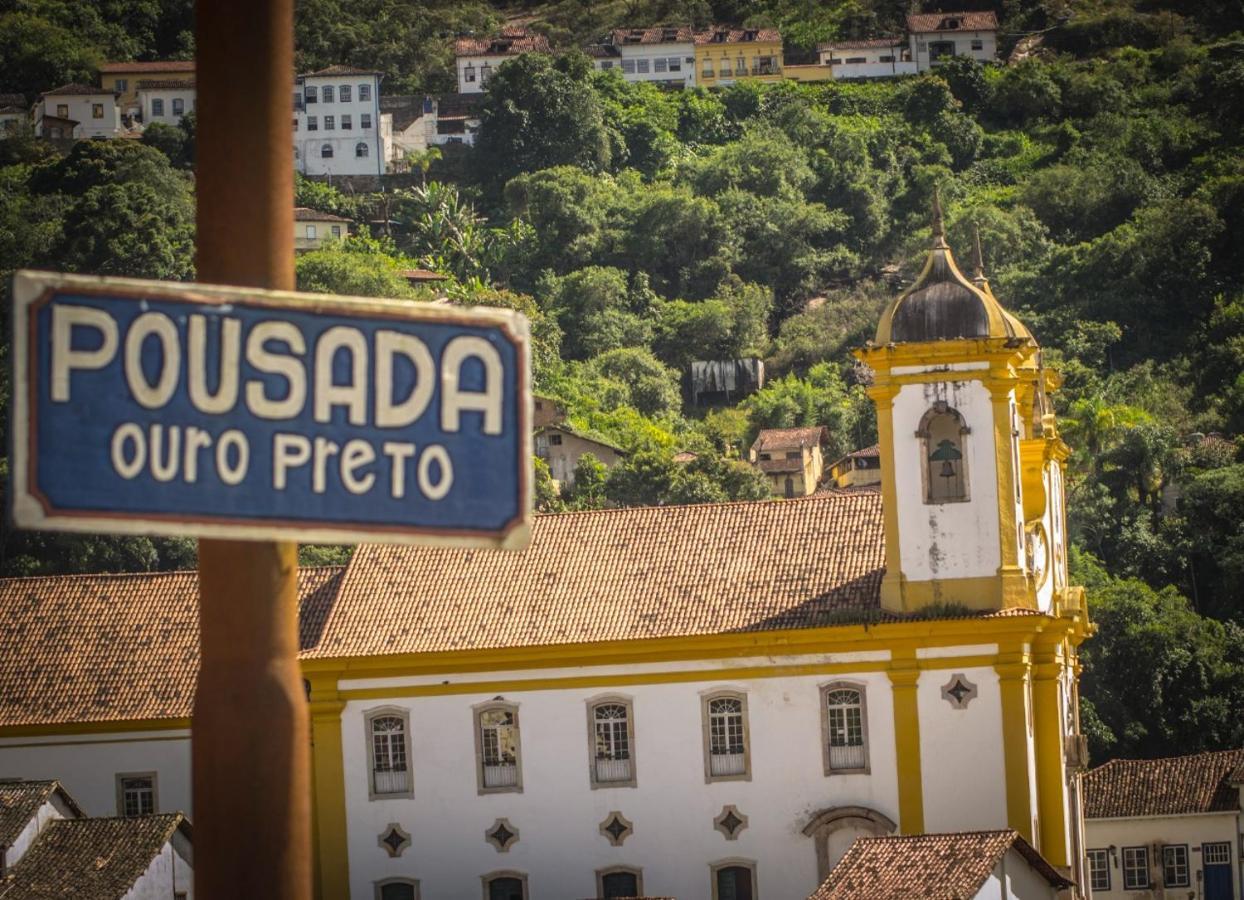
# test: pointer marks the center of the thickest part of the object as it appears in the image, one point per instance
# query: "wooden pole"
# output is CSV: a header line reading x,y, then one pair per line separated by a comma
x,y
252,803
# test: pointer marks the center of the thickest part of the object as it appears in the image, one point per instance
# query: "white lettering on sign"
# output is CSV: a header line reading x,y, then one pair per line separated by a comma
x,y
158,451
278,349
357,466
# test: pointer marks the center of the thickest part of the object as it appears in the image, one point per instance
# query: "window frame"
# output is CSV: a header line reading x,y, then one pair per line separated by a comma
x,y
179,101
313,123
477,713
347,122
620,870
706,701
1225,846
364,93
362,150
591,705
326,151
345,93
97,110
330,123
155,792
862,689
1187,866
487,879
1128,885
382,712
157,107
62,110
312,231
733,862
380,885
328,93
1093,871
365,121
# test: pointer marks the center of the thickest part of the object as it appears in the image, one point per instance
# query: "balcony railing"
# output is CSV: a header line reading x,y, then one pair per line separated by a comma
x,y
391,782
847,758
727,763
611,770
502,775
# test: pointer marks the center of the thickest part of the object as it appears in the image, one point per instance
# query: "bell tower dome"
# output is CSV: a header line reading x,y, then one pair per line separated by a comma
x,y
971,459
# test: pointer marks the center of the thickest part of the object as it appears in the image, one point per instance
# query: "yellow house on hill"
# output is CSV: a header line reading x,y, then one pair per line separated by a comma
x,y
724,55
122,78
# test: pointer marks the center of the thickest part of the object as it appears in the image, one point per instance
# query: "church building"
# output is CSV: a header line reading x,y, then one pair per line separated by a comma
x,y
707,702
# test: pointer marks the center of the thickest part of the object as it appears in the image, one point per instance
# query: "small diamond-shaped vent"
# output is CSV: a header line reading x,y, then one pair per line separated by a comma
x,y
394,839
617,828
502,835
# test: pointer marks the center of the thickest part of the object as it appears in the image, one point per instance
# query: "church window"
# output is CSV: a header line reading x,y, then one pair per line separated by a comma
x,y
505,886
389,752
497,748
726,737
942,432
397,889
611,739
844,726
619,882
734,879
1099,869
1135,868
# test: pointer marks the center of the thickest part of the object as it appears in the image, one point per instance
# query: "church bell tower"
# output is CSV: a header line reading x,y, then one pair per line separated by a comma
x,y
970,453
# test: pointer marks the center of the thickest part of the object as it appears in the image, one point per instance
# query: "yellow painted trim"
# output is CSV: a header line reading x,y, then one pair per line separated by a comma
x,y
1012,671
119,740
891,582
1004,468
332,864
515,685
100,727
1051,781
904,674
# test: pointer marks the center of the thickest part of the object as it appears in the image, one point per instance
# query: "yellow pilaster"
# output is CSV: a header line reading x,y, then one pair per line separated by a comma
x,y
1048,731
892,581
904,674
1014,586
328,790
1012,671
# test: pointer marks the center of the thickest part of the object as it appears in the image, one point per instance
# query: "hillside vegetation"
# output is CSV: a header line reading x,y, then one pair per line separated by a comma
x,y
641,229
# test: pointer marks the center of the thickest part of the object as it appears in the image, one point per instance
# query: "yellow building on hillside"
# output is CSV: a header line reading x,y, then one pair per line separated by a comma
x,y
122,78
724,55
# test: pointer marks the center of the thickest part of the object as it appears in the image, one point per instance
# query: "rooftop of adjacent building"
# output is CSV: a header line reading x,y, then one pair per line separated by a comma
x,y
922,23
773,439
509,42
306,214
20,802
729,34
931,866
865,44
166,65
90,858
1177,785
663,34
164,84
74,89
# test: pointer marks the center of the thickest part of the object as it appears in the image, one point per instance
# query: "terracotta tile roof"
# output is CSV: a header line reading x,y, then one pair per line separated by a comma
x,y
963,21
91,648
306,214
725,34
90,859
339,70
868,44
667,35
1178,785
74,89
930,866
164,84
510,42
789,438
421,275
866,453
167,65
618,574
20,800
567,428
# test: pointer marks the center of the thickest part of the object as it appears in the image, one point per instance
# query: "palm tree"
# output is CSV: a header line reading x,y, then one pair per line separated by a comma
x,y
422,160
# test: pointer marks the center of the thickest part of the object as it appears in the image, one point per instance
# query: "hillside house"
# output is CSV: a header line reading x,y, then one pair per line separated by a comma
x,y
77,111
935,36
546,411
859,468
123,78
1166,827
313,229
663,55
561,446
791,458
724,55
337,123
14,114
873,58
973,865
166,102
477,58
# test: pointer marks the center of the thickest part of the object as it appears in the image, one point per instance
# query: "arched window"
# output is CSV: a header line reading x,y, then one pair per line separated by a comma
x,y
845,724
390,753
734,879
397,889
619,882
725,724
612,738
326,151
360,149
498,748
505,886
942,432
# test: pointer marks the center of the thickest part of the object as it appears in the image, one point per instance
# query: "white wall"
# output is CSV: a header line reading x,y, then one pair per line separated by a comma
x,y
962,40
145,97
558,813
962,740
872,70
81,109
88,766
947,540
53,809
1191,830
344,142
478,64
169,872
650,53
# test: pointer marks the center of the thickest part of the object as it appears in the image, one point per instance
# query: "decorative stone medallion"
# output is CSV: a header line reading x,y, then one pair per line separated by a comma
x,y
959,692
730,822
502,835
617,828
394,839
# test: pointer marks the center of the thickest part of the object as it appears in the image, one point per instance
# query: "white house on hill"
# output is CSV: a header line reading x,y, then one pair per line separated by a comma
x,y
167,102
77,111
934,36
337,123
662,55
477,58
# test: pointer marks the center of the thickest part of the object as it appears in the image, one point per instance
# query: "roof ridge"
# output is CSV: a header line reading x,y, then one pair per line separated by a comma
x,y
1158,759
715,504
83,575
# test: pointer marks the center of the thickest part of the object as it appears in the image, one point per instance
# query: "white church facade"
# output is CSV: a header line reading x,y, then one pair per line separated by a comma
x,y
703,702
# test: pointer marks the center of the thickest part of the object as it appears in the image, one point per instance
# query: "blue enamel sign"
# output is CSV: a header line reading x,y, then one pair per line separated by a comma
x,y
156,408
